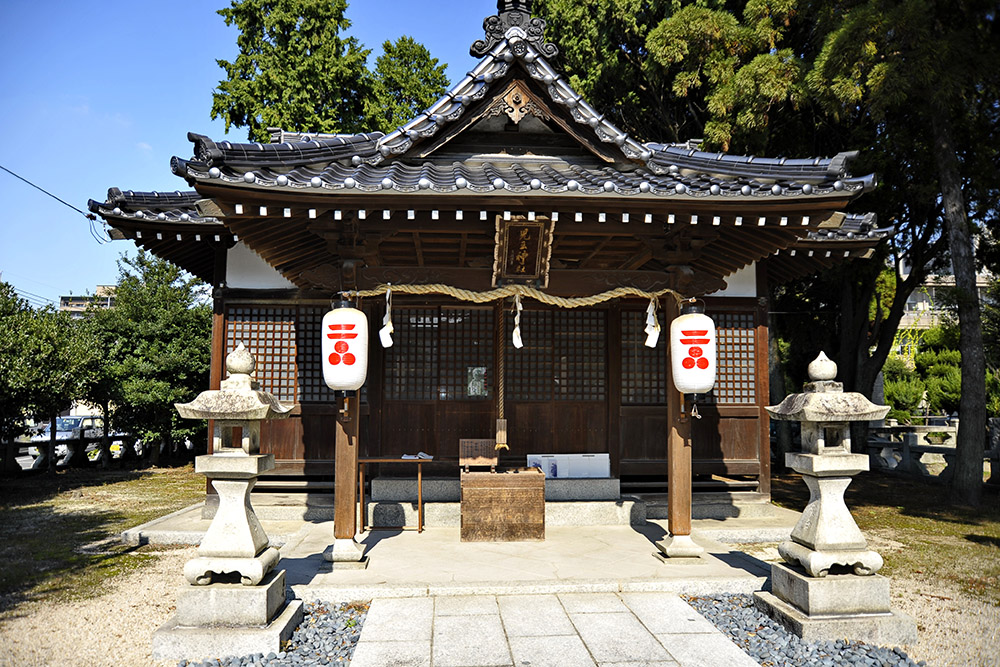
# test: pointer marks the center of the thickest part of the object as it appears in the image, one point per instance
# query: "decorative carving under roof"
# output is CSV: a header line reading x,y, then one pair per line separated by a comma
x,y
514,22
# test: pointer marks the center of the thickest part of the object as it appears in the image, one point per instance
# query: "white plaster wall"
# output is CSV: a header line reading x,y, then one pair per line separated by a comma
x,y
246,269
741,283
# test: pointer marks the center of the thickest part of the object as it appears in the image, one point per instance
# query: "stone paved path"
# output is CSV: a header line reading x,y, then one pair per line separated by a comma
x,y
564,630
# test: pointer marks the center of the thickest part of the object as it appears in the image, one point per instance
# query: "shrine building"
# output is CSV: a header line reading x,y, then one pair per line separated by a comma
x,y
510,185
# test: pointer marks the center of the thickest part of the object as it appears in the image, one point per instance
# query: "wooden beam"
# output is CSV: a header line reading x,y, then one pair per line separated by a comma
x,y
418,248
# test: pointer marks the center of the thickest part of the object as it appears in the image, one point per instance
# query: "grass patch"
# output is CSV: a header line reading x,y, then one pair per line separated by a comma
x,y
59,532
928,539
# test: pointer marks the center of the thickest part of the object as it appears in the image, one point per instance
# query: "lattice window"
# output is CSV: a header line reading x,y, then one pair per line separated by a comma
x,y
466,357
736,380
312,388
528,371
563,357
269,335
644,369
411,364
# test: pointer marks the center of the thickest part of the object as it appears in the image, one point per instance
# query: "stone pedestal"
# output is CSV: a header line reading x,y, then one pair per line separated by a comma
x,y
346,554
678,546
826,535
235,543
834,607
228,619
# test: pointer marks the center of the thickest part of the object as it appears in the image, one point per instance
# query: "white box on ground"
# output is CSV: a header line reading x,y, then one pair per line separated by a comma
x,y
548,463
590,465
566,466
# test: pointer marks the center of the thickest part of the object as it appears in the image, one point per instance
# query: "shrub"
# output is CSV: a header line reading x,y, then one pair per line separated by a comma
x,y
904,395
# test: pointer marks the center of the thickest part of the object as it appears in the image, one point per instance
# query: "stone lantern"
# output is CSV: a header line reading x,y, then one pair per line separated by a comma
x,y
827,587
233,581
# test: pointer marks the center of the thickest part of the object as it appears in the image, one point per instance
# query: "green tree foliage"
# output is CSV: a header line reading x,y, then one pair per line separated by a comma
x,y
407,81
602,47
295,69
161,326
15,391
931,67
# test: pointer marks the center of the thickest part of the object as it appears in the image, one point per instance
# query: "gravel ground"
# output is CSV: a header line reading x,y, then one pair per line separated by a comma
x,y
116,628
770,644
326,636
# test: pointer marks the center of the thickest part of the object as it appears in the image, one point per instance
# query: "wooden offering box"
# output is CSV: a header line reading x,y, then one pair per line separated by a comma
x,y
506,506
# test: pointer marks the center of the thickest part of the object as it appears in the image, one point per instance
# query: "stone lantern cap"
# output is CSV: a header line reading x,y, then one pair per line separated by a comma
x,y
824,400
239,398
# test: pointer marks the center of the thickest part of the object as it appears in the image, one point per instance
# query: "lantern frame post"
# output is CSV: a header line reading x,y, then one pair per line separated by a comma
x,y
679,544
345,552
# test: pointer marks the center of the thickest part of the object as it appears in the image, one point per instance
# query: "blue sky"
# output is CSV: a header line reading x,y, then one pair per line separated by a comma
x,y
99,95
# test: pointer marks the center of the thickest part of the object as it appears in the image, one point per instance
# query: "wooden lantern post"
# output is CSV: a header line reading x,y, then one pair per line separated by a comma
x,y
679,544
345,485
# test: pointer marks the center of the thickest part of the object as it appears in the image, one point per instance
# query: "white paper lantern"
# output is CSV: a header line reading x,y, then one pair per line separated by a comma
x,y
345,348
692,351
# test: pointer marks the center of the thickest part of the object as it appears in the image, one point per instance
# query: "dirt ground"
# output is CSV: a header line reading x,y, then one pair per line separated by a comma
x,y
953,629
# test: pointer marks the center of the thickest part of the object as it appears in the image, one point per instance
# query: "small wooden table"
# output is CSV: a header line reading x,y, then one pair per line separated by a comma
x,y
420,488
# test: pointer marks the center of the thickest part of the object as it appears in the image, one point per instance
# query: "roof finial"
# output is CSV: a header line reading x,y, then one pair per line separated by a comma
x,y
514,6
514,14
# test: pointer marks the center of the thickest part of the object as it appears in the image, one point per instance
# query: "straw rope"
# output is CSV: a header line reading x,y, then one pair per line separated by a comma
x,y
511,290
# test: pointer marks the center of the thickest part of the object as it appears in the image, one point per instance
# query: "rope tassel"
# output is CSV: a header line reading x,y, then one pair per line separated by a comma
x,y
652,324
385,333
516,336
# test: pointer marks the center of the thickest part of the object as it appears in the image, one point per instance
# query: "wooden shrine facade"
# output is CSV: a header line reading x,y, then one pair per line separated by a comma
x,y
511,178
583,383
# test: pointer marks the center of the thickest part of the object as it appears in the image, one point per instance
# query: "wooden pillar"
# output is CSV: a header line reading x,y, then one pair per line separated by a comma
x,y
679,544
678,451
762,371
345,485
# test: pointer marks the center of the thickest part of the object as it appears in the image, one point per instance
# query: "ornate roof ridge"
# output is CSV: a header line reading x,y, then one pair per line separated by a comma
x,y
311,149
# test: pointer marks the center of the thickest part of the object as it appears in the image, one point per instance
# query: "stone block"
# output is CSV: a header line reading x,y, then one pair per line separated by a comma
x,y
172,641
832,594
388,489
889,629
231,604
233,466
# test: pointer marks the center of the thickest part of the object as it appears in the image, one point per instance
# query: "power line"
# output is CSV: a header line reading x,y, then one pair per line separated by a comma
x,y
89,216
33,299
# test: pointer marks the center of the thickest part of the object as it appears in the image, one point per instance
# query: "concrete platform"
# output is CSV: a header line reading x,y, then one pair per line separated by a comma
x,y
404,563
586,595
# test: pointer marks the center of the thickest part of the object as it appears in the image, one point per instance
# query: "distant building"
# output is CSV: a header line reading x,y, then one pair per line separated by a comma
x,y
103,297
926,305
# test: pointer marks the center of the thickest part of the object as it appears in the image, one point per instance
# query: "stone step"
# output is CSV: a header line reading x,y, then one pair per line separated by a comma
x,y
389,489
559,513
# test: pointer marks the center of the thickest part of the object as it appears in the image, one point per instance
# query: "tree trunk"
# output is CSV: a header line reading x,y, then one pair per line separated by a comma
x,y
967,482
776,387
106,437
51,446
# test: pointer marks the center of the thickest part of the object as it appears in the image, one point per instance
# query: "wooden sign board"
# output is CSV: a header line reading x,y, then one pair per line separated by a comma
x,y
522,251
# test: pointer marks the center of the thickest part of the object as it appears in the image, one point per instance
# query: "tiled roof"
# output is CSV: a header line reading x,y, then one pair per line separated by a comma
x,y
376,162
174,206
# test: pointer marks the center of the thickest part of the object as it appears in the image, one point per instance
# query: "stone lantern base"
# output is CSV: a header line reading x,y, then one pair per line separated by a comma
x,y
228,619
836,606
